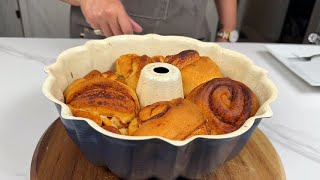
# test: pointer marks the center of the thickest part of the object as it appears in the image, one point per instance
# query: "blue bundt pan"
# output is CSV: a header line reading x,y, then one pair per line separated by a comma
x,y
144,157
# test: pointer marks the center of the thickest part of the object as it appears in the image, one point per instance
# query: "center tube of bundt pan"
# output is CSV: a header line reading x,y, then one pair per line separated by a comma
x,y
159,82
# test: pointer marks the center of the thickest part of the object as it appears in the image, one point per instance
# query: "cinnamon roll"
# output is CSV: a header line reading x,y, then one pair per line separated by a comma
x,y
195,69
176,119
128,67
226,103
104,99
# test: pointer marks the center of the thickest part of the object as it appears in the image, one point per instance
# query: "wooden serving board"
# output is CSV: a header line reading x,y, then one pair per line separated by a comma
x,y
57,157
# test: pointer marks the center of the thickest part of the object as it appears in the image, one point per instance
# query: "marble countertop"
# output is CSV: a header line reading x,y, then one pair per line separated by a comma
x,y
26,113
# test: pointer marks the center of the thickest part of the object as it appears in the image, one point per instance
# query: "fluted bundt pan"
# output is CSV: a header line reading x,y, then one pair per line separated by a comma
x,y
144,157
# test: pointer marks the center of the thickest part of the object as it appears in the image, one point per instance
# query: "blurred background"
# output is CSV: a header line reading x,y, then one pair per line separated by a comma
x,y
274,21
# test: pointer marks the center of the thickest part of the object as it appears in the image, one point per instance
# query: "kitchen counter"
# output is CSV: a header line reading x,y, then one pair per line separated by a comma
x,y
25,113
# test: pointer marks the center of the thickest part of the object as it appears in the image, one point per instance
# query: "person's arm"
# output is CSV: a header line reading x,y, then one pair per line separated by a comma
x,y
109,16
227,12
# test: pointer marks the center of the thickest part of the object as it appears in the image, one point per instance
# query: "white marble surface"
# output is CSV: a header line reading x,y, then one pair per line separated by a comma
x,y
25,113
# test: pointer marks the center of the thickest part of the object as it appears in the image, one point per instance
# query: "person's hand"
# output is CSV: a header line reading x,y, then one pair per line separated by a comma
x,y
109,16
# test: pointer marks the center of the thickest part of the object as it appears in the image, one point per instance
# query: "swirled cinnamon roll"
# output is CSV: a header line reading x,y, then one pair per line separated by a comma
x,y
226,103
195,69
176,119
128,67
105,100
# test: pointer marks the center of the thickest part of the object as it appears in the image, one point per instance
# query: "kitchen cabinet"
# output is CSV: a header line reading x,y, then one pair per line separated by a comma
x,y
262,20
314,23
10,21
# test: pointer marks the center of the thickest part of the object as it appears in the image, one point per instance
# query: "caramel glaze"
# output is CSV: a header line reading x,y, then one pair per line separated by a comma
x,y
183,59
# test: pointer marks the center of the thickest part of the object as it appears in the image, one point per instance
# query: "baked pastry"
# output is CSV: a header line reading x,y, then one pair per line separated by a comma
x,y
104,99
194,69
176,119
128,67
226,103
213,105
204,129
94,75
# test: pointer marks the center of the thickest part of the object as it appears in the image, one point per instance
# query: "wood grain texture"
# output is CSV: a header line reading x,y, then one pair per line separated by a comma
x,y
57,157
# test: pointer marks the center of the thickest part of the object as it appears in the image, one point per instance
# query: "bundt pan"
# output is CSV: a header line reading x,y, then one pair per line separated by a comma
x,y
151,156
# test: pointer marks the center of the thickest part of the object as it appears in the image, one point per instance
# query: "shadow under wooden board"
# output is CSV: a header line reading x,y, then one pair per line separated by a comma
x,y
57,157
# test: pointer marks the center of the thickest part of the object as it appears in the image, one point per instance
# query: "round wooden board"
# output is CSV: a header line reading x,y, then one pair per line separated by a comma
x,y
57,157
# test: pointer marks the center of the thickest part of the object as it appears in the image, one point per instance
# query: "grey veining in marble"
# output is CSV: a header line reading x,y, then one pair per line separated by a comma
x,y
295,140
26,55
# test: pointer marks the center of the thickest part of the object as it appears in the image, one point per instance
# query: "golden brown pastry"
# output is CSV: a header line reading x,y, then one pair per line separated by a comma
x,y
226,103
128,67
195,69
176,119
204,129
102,98
94,75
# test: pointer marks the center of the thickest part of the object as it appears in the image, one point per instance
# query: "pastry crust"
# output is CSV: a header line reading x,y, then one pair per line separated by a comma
x,y
226,103
129,67
195,69
176,119
213,105
104,99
